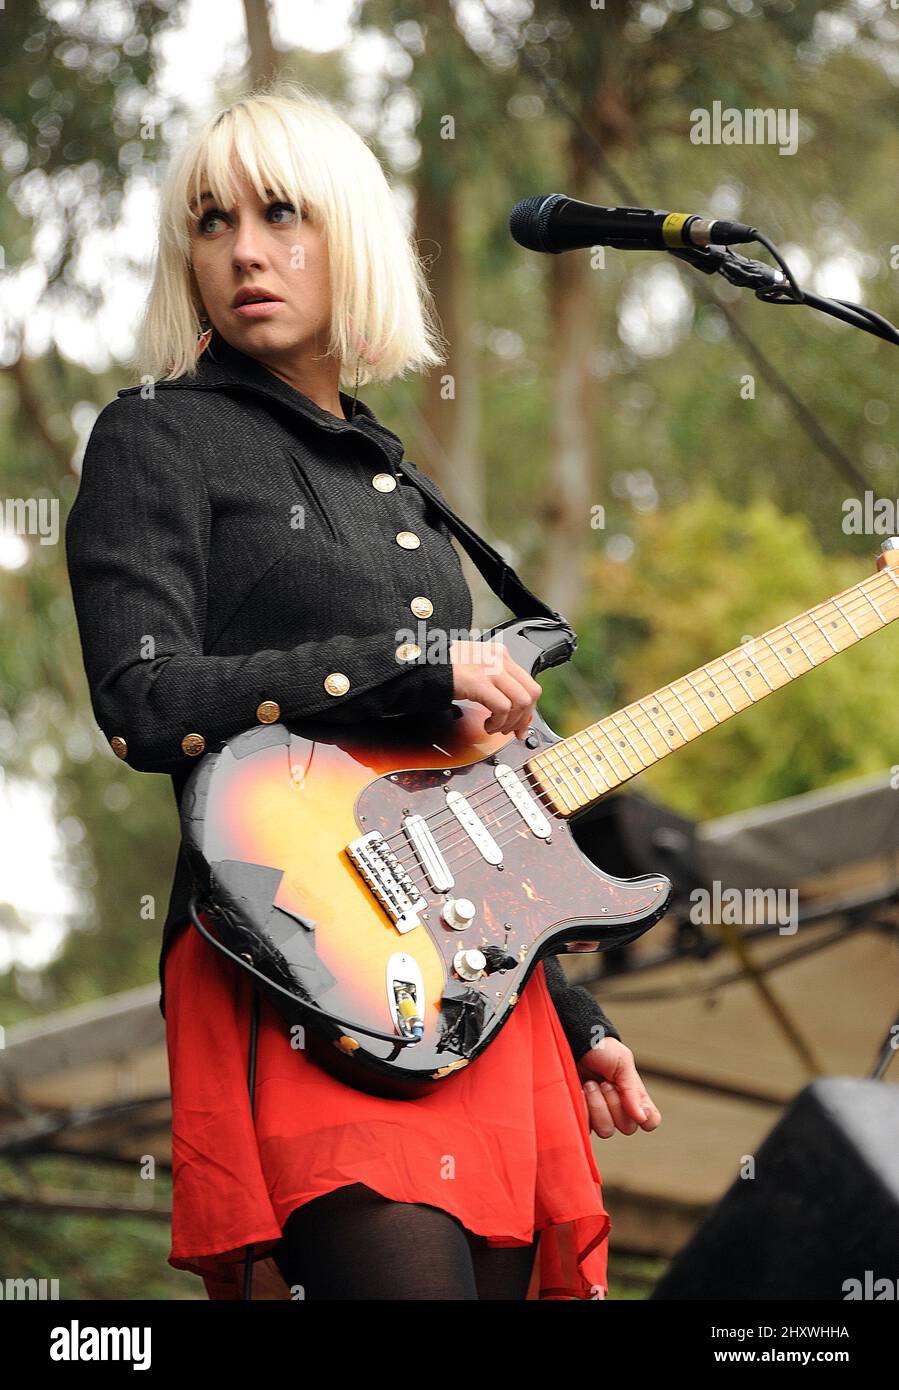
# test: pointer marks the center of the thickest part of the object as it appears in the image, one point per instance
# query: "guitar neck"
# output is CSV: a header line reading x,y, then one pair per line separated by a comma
x,y
579,771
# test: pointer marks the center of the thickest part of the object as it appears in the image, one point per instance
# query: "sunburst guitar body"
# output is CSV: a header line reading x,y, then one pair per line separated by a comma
x,y
393,885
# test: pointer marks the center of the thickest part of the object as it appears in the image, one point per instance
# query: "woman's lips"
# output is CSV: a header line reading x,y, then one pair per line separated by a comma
x,y
259,310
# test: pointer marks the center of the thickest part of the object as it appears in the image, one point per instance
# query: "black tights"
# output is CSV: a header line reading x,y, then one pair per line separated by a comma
x,y
354,1243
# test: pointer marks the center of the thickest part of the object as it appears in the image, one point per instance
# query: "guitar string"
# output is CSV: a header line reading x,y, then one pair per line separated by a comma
x,y
473,856
480,799
449,849
441,818
484,798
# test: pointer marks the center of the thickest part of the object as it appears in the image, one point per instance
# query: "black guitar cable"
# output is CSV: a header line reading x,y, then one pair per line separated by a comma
x,y
251,1082
246,964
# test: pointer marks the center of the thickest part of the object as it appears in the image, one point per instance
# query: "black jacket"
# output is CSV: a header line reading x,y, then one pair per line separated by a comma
x,y
232,544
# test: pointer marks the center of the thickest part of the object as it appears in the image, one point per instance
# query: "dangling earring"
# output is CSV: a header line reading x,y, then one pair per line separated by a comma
x,y
355,391
205,332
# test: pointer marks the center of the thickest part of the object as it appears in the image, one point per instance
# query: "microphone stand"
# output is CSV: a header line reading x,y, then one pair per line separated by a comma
x,y
774,286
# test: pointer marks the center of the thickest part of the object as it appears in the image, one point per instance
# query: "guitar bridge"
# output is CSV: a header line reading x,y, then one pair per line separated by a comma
x,y
383,872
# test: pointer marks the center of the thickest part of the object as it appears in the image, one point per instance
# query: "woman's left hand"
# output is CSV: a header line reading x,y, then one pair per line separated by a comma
x,y
616,1097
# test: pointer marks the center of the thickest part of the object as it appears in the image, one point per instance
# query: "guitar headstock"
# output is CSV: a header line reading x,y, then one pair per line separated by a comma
x,y
889,553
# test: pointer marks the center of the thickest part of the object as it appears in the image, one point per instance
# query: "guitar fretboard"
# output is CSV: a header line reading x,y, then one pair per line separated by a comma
x,y
578,771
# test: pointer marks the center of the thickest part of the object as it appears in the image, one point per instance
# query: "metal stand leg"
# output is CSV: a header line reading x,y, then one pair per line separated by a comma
x,y
886,1054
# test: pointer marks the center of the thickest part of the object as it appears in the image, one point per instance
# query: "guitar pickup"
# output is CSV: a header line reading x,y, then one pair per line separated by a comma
x,y
474,827
429,856
523,800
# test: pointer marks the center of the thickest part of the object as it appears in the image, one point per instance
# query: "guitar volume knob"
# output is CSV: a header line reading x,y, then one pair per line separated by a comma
x,y
469,964
458,913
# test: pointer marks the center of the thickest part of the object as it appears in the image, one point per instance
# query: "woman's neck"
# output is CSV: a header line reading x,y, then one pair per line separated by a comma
x,y
318,381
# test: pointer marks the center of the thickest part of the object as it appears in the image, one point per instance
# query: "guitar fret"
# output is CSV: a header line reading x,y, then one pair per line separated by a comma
x,y
789,648
629,739
760,669
654,724
612,779
556,767
670,715
574,767
784,664
612,752
577,777
872,603
634,725
739,677
720,687
836,604
686,707
823,630
704,700
603,790
597,758
801,645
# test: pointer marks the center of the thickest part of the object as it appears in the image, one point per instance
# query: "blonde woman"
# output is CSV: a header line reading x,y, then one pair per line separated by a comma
x,y
283,272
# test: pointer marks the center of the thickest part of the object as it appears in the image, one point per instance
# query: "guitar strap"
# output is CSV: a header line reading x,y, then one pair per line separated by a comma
x,y
509,587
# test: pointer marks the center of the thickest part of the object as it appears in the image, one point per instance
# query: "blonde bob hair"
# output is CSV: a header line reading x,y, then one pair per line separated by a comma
x,y
286,140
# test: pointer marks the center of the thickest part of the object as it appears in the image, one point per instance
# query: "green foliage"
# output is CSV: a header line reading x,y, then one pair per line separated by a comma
x,y
108,1257
76,81
705,576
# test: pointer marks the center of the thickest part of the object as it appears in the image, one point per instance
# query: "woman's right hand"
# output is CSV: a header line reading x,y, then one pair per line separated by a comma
x,y
484,671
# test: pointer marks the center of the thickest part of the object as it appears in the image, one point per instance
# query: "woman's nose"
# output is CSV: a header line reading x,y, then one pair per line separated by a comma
x,y
249,245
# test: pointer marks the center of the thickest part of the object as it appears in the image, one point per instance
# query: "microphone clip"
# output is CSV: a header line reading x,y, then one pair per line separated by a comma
x,y
738,269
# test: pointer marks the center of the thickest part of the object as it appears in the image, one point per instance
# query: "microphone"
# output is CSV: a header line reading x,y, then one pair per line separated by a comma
x,y
555,223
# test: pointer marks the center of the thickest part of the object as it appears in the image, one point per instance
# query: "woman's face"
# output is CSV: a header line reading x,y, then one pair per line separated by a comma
x,y
266,251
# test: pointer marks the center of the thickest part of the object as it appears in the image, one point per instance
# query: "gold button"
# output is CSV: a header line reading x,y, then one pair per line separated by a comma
x,y
384,482
268,712
422,607
118,746
409,651
193,744
337,683
408,540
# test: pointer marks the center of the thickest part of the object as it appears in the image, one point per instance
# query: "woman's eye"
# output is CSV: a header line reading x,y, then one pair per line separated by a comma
x,y
287,209
212,215
213,219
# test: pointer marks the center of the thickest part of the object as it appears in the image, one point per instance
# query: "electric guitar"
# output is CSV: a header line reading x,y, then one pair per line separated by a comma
x,y
392,886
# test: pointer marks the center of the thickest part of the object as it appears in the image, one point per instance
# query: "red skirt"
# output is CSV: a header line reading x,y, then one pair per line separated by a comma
x,y
514,1123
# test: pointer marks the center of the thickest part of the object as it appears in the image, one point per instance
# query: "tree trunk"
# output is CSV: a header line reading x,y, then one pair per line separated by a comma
x,y
264,60
572,474
449,437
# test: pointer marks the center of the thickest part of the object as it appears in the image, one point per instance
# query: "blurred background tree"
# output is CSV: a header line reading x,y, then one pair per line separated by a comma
x,y
575,385
621,388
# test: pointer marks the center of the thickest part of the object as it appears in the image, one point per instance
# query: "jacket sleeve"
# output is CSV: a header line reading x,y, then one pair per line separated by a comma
x,y
137,546
579,1014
